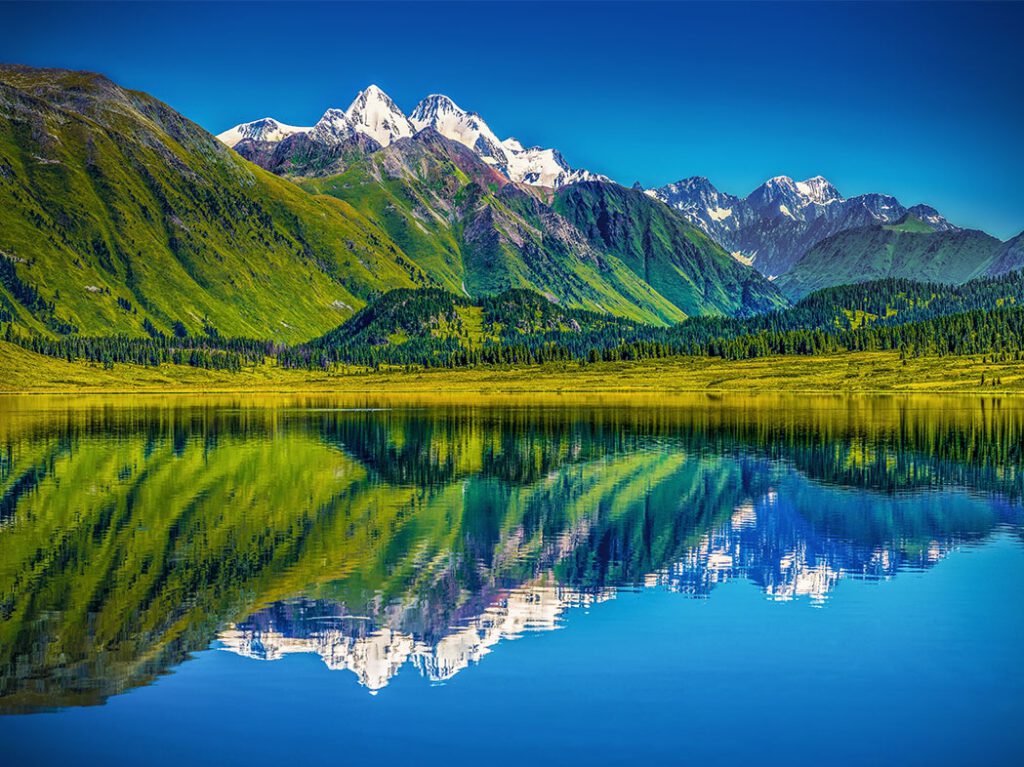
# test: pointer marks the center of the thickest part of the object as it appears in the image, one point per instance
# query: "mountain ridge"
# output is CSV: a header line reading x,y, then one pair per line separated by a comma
x,y
780,220
374,114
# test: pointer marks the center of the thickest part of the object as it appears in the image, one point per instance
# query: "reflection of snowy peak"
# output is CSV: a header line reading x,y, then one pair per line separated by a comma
x,y
374,114
770,543
376,655
767,540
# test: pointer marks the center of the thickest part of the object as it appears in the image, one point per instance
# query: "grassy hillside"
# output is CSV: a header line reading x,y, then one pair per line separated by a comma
x,y
114,209
666,251
478,234
434,326
909,249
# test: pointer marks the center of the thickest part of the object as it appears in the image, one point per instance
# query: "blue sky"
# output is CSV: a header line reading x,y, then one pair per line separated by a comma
x,y
918,100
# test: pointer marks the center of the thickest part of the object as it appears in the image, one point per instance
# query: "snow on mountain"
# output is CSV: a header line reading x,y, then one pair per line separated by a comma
x,y
266,129
373,113
782,219
703,204
544,167
818,190
932,217
798,200
534,165
468,128
333,127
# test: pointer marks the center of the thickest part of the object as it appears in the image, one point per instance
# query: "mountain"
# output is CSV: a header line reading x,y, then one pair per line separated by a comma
x,y
267,129
121,216
777,223
477,233
1010,256
666,251
327,148
697,198
116,211
910,248
371,113
451,121
374,115
437,328
535,166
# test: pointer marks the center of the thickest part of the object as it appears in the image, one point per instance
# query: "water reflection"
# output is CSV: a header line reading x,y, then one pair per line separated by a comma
x,y
380,534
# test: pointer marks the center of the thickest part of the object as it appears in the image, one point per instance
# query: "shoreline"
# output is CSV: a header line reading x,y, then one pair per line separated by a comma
x,y
25,373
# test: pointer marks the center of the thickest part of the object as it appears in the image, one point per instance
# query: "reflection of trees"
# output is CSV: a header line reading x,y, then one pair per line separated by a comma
x,y
128,536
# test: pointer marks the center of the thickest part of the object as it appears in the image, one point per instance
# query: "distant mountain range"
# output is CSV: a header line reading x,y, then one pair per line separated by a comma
x,y
119,215
777,223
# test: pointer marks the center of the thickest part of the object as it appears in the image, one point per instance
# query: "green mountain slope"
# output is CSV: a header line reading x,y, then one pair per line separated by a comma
x,y
478,234
435,327
908,249
666,251
115,209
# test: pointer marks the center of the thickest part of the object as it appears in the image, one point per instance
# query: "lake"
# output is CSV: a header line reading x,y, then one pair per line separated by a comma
x,y
798,580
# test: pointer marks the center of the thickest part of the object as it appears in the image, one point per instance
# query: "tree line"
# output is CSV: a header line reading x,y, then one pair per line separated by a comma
x,y
434,328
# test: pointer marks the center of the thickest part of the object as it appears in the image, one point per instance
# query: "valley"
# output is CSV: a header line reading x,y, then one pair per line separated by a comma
x,y
379,241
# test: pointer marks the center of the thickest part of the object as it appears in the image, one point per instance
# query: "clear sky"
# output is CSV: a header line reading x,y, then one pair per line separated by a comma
x,y
918,100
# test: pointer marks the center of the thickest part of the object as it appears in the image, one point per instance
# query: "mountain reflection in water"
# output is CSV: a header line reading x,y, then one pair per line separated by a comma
x,y
382,533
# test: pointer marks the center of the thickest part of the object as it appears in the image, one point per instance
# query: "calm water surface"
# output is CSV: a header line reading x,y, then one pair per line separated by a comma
x,y
297,580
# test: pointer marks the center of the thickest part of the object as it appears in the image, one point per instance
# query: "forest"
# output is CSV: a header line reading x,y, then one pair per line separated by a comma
x,y
433,328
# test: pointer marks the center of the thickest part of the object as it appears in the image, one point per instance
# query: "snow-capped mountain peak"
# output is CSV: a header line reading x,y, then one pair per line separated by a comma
x,y
333,127
798,200
781,219
264,129
818,190
452,121
436,107
536,166
374,113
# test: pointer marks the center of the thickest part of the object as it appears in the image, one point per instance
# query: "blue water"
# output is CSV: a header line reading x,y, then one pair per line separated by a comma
x,y
782,611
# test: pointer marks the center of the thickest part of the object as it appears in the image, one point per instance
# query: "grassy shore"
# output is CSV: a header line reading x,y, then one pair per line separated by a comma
x,y
23,371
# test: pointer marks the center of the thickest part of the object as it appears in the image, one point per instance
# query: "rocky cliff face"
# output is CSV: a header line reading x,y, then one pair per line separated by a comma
x,y
1010,257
